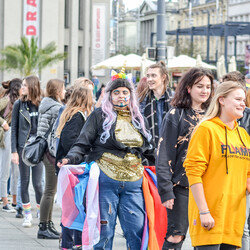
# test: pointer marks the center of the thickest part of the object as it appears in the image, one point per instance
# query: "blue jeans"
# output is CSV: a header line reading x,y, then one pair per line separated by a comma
x,y
124,199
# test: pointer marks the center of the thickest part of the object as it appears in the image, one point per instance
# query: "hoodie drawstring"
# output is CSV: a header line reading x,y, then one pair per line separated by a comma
x,y
227,145
226,148
241,138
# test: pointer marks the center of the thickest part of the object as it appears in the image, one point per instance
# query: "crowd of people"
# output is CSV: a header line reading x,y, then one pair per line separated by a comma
x,y
193,142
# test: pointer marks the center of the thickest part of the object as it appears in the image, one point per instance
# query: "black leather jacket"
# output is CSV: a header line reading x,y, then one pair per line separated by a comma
x,y
88,143
20,125
244,122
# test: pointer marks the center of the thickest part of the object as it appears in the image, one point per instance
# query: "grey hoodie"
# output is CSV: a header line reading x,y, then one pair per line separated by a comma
x,y
48,112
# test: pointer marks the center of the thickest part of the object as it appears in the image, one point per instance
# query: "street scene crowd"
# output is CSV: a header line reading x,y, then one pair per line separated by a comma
x,y
162,160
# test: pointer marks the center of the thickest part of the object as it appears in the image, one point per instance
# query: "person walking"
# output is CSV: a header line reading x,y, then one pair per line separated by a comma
x,y
73,118
244,122
23,128
155,98
218,170
48,112
116,137
11,94
192,97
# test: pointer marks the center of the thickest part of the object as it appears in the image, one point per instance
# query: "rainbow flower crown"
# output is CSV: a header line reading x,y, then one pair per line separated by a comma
x,y
121,75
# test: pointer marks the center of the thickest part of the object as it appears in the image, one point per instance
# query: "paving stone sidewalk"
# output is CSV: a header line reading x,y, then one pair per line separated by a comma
x,y
14,236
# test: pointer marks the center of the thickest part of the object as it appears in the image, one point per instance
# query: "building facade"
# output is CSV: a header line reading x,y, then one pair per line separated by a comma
x,y
127,32
184,14
239,11
148,21
79,27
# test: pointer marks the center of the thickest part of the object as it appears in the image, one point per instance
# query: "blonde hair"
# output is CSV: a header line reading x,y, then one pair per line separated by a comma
x,y
81,100
222,90
82,82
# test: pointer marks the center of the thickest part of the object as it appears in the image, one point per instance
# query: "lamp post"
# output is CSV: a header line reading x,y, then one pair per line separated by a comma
x,y
160,31
208,32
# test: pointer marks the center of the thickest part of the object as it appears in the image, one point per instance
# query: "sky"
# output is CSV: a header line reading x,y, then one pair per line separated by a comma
x,y
131,4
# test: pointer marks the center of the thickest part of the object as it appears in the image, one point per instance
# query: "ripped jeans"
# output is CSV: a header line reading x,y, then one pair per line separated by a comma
x,y
124,199
177,218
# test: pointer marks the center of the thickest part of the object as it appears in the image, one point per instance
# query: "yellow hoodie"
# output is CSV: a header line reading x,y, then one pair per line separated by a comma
x,y
224,181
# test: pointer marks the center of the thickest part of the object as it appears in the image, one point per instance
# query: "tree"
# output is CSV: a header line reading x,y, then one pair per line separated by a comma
x,y
27,58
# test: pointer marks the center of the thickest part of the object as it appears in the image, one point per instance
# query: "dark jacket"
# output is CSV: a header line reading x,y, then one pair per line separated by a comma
x,y
176,131
88,142
155,110
244,122
69,135
20,125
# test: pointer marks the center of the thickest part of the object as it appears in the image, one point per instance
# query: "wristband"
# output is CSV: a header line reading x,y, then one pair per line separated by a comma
x,y
206,212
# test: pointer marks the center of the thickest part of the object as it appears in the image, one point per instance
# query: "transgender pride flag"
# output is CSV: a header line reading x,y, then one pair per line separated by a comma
x,y
74,181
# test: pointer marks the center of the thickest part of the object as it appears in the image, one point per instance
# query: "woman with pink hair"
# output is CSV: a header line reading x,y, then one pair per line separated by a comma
x,y
116,137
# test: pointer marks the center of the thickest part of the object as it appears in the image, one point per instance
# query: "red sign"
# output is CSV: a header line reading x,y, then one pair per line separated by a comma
x,y
31,20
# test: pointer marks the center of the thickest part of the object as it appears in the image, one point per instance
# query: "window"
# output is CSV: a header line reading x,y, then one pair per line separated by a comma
x,y
66,61
80,15
80,60
66,13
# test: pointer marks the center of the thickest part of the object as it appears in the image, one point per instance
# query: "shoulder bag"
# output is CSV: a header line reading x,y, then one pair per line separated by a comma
x,y
33,151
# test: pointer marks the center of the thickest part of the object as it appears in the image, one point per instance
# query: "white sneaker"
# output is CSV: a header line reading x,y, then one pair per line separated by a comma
x,y
27,221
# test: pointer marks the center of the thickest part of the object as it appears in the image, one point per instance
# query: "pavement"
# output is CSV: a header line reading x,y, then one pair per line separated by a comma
x,y
14,236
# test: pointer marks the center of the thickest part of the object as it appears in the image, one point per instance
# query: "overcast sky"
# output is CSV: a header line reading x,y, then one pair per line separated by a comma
x,y
131,4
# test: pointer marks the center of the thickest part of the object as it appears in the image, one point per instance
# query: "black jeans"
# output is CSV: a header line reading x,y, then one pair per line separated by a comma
x,y
70,237
37,172
177,218
216,247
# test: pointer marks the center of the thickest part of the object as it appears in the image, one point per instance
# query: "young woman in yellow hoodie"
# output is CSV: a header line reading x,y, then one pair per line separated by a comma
x,y
218,169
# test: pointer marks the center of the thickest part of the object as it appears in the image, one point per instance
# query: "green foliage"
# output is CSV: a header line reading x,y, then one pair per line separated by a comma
x,y
27,58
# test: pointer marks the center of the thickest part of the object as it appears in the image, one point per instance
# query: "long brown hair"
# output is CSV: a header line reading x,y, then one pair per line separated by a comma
x,y
34,90
12,89
182,98
163,71
81,100
248,98
54,87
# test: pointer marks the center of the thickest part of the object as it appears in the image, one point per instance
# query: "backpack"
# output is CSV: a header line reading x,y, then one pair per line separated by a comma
x,y
52,139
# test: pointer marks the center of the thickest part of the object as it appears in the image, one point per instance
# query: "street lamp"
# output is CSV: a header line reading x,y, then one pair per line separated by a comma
x,y
160,31
208,33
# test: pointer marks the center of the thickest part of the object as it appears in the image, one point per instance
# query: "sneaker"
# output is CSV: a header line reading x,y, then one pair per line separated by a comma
x,y
7,208
27,221
13,205
77,248
19,213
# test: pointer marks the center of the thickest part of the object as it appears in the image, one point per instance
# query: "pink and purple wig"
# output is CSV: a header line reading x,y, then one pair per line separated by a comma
x,y
110,115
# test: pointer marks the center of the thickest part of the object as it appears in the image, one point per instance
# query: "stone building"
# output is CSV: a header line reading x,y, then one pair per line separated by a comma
x,y
79,27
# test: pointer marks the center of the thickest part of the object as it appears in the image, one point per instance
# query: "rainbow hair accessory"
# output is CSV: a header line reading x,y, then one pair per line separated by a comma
x,y
121,75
